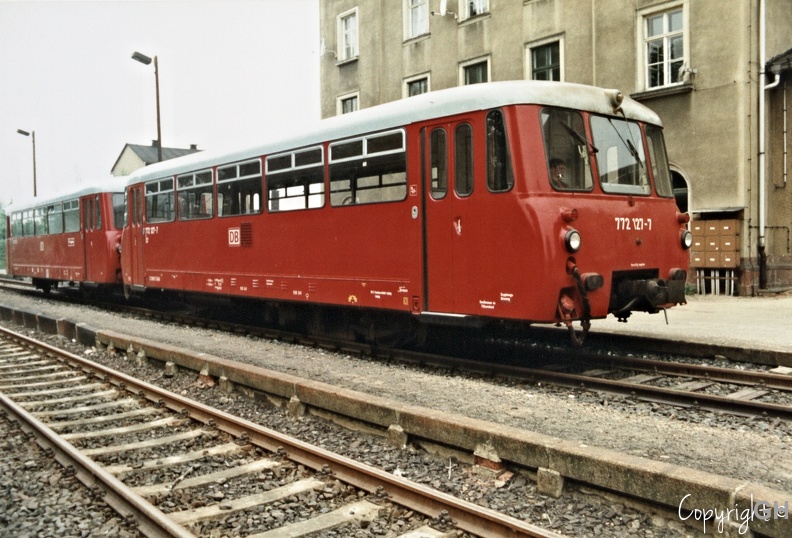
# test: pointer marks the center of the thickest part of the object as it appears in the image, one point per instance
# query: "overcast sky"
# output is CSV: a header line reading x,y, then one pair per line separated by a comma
x,y
231,73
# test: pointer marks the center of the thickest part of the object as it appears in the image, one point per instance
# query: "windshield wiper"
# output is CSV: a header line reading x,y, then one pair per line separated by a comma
x,y
581,140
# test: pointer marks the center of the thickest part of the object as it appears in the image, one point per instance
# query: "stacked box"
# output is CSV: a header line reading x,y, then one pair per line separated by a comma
x,y
716,244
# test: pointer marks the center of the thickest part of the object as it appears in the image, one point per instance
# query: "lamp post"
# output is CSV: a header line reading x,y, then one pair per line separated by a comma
x,y
31,134
142,58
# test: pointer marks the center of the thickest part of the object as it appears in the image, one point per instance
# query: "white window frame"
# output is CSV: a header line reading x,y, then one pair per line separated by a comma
x,y
642,76
541,43
474,61
409,31
340,102
415,78
464,8
343,54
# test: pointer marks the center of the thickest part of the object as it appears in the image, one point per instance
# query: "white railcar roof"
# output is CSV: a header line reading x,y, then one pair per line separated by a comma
x,y
404,112
113,184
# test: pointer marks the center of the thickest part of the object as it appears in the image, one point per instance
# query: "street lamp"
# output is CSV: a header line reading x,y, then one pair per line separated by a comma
x,y
142,58
33,135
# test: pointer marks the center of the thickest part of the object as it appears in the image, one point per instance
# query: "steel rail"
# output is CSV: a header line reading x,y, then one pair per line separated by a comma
x,y
465,515
711,373
150,520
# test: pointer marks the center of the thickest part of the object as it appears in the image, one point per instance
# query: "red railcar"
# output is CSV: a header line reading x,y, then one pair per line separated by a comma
x,y
522,201
69,238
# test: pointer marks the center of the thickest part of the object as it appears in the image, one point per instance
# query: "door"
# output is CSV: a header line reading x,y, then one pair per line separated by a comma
x,y
448,173
137,235
94,242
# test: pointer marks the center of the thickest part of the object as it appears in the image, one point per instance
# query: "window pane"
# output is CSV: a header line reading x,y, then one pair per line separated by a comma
x,y
499,170
675,21
476,73
388,142
654,25
546,62
438,164
657,153
620,159
463,159
417,87
566,149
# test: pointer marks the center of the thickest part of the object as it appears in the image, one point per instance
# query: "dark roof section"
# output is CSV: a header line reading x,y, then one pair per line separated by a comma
x,y
782,62
148,154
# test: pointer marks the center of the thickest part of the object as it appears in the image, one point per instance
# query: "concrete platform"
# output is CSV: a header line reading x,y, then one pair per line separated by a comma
x,y
763,323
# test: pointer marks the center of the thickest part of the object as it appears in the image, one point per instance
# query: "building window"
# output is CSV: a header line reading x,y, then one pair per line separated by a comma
x,y
472,8
348,35
416,85
664,47
416,18
475,72
348,103
546,61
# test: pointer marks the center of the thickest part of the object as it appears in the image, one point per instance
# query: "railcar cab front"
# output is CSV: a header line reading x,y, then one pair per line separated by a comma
x,y
625,243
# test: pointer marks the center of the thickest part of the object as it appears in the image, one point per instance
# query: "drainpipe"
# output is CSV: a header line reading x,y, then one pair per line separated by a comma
x,y
763,88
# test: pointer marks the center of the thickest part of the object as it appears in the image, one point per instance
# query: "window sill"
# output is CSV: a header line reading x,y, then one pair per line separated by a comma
x,y
347,61
416,39
663,91
475,18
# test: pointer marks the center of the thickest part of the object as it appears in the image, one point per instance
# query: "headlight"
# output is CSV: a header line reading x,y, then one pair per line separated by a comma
x,y
572,241
687,239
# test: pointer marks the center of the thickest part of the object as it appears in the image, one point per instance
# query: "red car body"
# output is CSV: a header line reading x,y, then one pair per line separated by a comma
x,y
439,205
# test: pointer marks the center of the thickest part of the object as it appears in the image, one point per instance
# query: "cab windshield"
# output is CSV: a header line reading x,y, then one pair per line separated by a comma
x,y
620,156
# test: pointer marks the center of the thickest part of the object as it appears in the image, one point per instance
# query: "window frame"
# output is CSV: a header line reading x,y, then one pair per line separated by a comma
x,y
464,66
345,97
492,145
364,157
416,78
239,178
531,47
410,31
464,9
297,171
643,39
152,195
201,187
345,55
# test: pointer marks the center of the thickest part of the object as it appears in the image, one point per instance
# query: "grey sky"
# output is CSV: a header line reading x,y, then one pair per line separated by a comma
x,y
232,72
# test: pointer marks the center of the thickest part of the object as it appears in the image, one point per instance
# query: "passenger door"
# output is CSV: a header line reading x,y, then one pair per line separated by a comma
x,y
448,173
137,238
93,238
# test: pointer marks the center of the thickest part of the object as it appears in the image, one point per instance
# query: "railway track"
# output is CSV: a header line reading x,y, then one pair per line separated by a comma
x,y
730,390
151,455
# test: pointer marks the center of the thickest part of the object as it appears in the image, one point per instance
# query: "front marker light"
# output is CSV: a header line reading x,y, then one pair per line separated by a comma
x,y
572,241
687,239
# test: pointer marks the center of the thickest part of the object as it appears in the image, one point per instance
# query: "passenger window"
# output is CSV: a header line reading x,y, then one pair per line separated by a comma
x,y
119,216
463,159
295,180
98,208
16,225
160,205
195,195
567,150
71,216
499,169
437,161
239,189
41,220
368,170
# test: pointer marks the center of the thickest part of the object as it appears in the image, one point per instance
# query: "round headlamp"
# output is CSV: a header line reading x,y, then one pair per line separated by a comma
x,y
686,239
572,241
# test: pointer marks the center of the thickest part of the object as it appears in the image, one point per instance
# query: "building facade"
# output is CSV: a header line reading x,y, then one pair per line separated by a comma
x,y
716,71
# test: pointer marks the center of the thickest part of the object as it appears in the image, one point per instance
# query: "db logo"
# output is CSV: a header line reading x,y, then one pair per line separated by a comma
x,y
233,237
